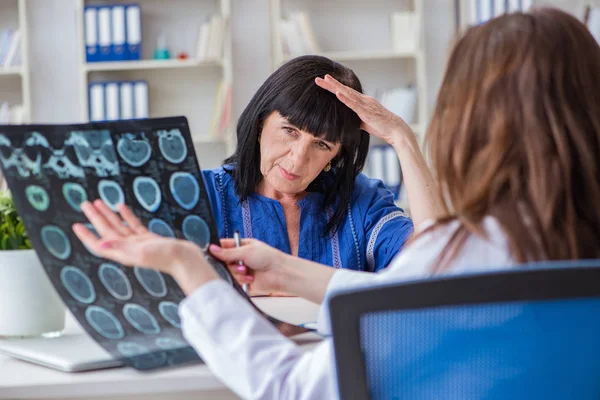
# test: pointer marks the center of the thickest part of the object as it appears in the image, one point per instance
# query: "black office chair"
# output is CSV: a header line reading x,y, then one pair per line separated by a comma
x,y
526,333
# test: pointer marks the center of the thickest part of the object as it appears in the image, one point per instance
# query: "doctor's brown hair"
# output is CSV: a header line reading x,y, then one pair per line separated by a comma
x,y
516,135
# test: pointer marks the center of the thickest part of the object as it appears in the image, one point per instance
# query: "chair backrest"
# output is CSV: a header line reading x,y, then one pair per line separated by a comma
x,y
526,333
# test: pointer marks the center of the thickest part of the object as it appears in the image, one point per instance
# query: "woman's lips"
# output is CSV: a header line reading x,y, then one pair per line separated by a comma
x,y
288,175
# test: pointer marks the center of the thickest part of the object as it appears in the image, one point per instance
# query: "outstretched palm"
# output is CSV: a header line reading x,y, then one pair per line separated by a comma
x,y
125,240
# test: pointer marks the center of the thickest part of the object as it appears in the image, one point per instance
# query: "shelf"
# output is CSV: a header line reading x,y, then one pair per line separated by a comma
x,y
149,64
8,71
359,55
197,141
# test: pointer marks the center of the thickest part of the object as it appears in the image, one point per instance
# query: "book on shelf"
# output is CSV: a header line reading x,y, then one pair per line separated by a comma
x,y
117,100
401,101
112,32
221,119
592,20
209,45
383,164
11,115
480,11
10,43
297,35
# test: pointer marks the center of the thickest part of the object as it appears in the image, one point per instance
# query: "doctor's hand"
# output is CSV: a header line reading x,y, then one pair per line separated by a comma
x,y
125,240
260,268
376,119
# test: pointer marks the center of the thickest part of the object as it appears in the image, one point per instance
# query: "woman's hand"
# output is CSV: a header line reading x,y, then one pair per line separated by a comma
x,y
423,196
376,119
126,241
262,264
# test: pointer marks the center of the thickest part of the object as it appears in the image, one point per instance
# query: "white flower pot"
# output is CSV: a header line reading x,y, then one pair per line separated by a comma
x,y
29,304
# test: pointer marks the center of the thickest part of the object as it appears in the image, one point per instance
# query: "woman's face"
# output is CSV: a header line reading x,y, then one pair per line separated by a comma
x,y
290,159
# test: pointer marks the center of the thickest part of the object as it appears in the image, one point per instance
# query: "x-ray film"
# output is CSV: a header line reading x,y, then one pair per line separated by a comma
x,y
151,166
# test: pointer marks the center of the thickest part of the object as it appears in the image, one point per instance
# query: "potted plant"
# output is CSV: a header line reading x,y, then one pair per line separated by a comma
x,y
29,304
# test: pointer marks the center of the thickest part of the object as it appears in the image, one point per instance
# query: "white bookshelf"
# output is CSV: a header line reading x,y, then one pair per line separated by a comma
x,y
149,64
185,87
358,34
15,80
469,10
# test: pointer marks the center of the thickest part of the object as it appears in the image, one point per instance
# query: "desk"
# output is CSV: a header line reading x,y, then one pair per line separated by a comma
x,y
21,380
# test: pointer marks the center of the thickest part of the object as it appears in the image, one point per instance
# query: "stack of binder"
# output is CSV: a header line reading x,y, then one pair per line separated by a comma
x,y
483,10
383,164
113,33
117,100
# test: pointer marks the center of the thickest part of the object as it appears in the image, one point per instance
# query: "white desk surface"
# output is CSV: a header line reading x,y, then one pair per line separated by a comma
x,y
21,380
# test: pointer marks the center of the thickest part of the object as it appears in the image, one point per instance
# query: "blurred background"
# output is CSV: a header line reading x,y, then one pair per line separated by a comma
x,y
65,61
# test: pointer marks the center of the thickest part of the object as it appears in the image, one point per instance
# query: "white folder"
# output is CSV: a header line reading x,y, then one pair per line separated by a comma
x,y
514,6
97,102
104,40
140,95
126,100
499,8
133,17
118,32
377,162
392,165
112,101
91,33
473,12
485,13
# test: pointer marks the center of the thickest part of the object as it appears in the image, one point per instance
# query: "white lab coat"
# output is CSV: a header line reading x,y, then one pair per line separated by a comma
x,y
253,359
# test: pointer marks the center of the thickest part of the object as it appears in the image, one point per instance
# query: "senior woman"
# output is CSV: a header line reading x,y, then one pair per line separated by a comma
x,y
294,180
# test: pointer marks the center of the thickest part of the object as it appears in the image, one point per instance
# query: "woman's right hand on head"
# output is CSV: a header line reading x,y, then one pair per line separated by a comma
x,y
376,119
260,261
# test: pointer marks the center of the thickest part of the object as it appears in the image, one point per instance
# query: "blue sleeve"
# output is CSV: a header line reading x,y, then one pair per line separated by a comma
x,y
386,226
213,191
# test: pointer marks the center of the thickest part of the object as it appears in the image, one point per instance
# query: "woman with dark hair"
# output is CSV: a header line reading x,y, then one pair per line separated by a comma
x,y
294,180
515,144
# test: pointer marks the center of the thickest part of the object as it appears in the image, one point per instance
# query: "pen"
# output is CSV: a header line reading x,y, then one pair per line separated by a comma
x,y
238,243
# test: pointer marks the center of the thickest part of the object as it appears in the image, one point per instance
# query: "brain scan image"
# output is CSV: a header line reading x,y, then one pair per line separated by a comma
x,y
168,343
147,193
141,319
25,164
151,166
56,242
142,355
95,150
195,229
152,281
115,281
169,311
161,228
135,151
78,284
111,193
172,145
38,197
185,189
75,194
105,323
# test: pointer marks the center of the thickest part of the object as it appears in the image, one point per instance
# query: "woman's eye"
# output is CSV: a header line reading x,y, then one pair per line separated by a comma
x,y
289,131
324,146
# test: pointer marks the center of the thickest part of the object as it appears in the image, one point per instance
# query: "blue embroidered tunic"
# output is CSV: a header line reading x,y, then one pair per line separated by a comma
x,y
371,233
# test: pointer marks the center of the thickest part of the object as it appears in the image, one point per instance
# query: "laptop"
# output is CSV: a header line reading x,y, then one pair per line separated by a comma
x,y
69,353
